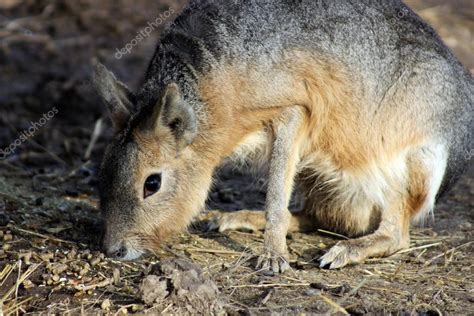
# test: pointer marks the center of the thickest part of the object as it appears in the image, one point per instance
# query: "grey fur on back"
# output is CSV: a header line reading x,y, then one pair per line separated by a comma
x,y
384,44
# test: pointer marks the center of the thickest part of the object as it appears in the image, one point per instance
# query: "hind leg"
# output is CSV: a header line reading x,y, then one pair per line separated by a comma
x,y
254,221
410,200
391,236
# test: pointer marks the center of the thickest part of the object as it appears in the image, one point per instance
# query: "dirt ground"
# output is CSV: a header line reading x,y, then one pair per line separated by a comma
x,y
50,260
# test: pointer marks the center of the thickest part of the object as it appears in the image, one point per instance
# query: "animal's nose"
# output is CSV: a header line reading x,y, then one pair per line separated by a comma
x,y
117,251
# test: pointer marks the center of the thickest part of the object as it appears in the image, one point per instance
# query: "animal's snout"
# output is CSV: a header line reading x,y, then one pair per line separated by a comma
x,y
116,251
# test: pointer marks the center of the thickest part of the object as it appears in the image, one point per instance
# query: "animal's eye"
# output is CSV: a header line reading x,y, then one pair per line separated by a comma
x,y
152,185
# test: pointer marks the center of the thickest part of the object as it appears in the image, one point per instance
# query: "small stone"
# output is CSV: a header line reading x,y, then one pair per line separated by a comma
x,y
27,284
116,275
72,254
8,237
55,278
47,256
26,257
137,307
84,271
60,268
312,292
95,261
123,310
6,247
76,267
106,304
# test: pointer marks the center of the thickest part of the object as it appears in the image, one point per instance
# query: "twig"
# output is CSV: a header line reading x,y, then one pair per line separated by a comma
x,y
269,285
50,153
95,136
40,235
17,280
166,308
9,309
334,304
352,292
83,287
332,233
214,251
7,270
446,252
20,280
419,247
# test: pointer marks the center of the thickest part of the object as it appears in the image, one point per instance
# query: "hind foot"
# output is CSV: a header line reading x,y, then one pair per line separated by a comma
x,y
357,250
239,220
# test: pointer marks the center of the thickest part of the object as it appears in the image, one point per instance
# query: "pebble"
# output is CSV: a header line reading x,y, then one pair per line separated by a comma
x,y
26,256
27,284
312,292
116,275
84,271
94,261
106,304
72,254
47,256
60,268
7,237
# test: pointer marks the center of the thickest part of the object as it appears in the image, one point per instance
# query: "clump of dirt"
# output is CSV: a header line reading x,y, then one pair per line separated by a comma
x,y
183,286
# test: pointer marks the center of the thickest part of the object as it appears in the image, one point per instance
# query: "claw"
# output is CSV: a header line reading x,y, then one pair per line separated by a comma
x,y
271,262
339,256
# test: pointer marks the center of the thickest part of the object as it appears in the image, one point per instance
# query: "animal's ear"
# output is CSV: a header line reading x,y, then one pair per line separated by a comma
x,y
115,94
173,112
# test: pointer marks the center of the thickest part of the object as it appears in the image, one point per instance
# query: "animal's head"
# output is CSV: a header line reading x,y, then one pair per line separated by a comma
x,y
152,179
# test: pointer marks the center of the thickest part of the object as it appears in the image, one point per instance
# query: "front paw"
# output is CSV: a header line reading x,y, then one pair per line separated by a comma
x,y
271,261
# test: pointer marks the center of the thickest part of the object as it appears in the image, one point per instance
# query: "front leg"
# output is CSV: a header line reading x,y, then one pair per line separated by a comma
x,y
282,170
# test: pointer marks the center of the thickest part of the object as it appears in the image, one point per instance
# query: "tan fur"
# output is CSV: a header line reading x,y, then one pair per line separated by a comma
x,y
308,124
338,158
